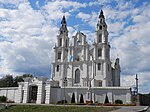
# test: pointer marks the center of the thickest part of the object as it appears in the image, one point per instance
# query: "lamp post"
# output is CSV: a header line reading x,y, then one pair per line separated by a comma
x,y
137,96
136,78
65,80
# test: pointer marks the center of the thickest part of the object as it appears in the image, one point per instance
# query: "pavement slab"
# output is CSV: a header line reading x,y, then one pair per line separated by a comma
x,y
131,109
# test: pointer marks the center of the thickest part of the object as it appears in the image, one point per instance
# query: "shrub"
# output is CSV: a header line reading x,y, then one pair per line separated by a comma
x,y
73,98
3,99
62,102
106,100
118,101
81,99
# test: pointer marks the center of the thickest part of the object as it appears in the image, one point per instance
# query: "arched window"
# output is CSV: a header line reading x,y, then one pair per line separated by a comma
x,y
66,43
99,66
59,55
57,69
100,38
100,27
60,42
77,76
99,52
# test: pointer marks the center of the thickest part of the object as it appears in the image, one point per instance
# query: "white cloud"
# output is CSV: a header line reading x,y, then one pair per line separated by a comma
x,y
32,39
55,9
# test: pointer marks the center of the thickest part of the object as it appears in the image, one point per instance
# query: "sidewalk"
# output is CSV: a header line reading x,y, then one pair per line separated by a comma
x,y
132,109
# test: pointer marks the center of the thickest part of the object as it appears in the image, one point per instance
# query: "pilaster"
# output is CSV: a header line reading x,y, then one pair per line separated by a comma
x,y
40,93
26,92
48,92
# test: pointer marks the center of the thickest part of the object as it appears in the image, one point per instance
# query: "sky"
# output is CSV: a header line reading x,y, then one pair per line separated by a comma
x,y
29,29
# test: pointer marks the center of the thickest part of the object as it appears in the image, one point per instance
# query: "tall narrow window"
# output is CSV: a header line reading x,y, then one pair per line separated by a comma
x,y
59,55
60,42
100,38
57,68
66,43
100,83
99,52
108,67
99,66
77,76
100,27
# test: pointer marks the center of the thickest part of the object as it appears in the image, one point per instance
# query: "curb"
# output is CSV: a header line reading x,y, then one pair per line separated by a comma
x,y
143,110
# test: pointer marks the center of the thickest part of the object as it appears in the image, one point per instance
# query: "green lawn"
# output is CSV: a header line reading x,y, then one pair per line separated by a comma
x,y
44,108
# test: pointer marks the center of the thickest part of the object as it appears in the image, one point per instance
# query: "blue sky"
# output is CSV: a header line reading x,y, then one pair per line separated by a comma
x,y
28,30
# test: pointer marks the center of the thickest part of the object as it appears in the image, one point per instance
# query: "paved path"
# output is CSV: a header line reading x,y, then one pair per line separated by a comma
x,y
131,109
148,110
2,106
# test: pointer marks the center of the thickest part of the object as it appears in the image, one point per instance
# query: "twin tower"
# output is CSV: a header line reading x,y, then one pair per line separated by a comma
x,y
79,64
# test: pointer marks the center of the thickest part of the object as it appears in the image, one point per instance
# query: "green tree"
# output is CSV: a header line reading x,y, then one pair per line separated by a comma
x,y
6,81
20,79
9,81
73,98
81,99
106,99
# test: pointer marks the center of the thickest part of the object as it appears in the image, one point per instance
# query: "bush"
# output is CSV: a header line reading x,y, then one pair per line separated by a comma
x,y
81,99
106,100
118,101
73,98
3,99
62,102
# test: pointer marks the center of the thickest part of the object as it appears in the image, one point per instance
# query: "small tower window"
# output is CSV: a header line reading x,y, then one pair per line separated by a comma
x,y
59,55
100,38
100,84
99,66
108,67
66,43
60,42
100,27
99,52
57,68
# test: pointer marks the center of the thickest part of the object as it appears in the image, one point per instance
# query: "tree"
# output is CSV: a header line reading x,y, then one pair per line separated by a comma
x,y
20,79
106,99
9,81
81,99
73,98
6,81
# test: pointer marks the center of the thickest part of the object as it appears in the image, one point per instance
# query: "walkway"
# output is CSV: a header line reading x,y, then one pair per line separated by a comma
x,y
131,109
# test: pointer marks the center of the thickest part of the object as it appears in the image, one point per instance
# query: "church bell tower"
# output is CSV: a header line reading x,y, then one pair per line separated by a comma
x,y
102,53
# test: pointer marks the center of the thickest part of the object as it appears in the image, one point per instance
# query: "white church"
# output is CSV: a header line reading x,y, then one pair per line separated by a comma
x,y
79,70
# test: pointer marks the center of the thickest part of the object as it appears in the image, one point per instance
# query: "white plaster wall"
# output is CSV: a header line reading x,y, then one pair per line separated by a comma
x,y
98,94
11,93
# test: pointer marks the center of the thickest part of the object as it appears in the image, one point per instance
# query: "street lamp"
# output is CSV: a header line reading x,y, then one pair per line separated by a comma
x,y
65,80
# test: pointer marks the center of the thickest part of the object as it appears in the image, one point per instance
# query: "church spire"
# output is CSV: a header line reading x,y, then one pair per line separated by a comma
x,y
101,14
101,25
63,28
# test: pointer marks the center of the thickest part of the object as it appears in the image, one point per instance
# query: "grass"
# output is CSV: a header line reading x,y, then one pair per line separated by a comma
x,y
44,108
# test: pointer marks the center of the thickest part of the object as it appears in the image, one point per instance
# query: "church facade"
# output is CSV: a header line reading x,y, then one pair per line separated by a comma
x,y
82,64
79,70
